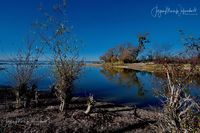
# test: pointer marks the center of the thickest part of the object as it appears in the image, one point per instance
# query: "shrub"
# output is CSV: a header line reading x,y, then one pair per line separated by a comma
x,y
180,111
63,46
22,74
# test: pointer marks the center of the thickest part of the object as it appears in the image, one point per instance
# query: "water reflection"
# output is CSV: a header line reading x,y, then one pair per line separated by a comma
x,y
191,81
124,77
120,86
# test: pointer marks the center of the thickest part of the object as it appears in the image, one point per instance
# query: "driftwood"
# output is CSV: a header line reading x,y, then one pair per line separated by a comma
x,y
90,104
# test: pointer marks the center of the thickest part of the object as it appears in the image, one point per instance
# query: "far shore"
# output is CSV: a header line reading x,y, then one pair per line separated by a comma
x,y
94,64
147,67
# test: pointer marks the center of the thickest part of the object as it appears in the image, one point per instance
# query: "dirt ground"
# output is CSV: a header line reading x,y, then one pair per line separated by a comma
x,y
105,117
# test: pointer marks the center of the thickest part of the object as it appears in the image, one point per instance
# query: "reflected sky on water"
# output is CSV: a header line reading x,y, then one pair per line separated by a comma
x,y
121,86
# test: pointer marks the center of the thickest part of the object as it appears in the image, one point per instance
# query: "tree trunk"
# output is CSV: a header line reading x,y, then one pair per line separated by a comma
x,y
88,109
90,104
36,98
62,105
18,100
65,102
64,97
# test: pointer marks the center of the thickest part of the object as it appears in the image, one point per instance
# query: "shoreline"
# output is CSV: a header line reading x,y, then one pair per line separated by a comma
x,y
104,117
93,65
145,67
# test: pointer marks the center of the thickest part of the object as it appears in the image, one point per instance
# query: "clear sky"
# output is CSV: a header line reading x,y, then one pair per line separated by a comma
x,y
102,24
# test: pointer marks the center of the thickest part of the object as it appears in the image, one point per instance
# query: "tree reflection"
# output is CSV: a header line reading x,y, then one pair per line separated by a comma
x,y
123,77
193,80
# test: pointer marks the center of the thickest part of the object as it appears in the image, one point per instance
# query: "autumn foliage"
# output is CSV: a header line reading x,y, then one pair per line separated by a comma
x,y
126,53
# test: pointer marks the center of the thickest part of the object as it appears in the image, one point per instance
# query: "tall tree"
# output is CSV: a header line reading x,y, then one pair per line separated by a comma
x,y
57,35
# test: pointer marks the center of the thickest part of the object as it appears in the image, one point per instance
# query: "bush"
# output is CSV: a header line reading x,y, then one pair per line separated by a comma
x,y
64,50
180,112
22,75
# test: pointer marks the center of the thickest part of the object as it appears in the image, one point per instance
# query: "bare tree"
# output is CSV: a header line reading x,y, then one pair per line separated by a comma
x,y
191,43
66,71
192,47
57,35
24,65
181,111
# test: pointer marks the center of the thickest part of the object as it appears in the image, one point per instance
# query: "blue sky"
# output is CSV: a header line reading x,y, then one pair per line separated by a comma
x,y
101,24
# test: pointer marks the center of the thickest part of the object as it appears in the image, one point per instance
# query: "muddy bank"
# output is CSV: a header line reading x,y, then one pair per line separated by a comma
x,y
146,67
105,117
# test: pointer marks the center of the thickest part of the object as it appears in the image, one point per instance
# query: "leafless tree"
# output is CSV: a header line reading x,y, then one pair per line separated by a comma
x,y
181,111
192,47
24,65
56,34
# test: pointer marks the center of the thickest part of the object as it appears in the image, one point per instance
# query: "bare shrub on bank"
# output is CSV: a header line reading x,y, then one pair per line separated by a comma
x,y
24,65
64,50
180,111
66,71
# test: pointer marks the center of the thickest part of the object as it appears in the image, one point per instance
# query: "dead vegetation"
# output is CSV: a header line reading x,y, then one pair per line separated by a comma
x,y
64,50
181,111
22,76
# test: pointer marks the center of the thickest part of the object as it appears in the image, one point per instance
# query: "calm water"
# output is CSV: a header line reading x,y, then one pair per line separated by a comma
x,y
120,86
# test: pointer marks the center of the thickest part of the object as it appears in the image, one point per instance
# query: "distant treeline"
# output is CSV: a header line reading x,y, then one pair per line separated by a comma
x,y
159,59
127,53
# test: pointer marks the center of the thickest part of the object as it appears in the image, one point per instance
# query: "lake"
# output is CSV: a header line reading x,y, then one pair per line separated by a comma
x,y
120,86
